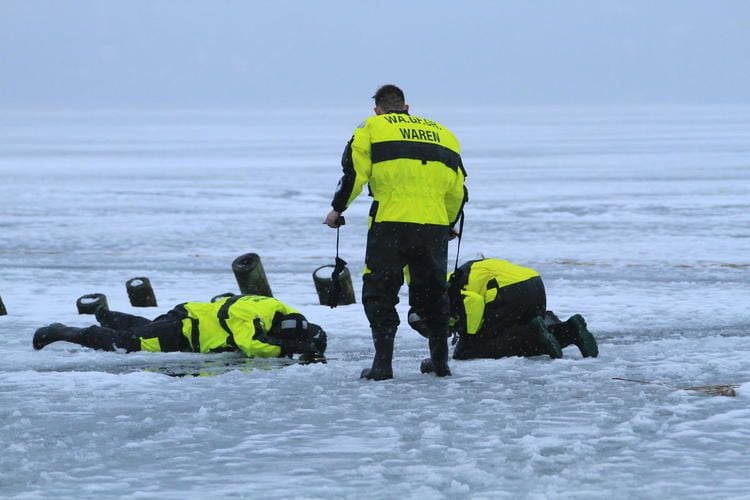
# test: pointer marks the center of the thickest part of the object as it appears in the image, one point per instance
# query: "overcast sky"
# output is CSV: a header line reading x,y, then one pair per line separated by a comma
x,y
217,53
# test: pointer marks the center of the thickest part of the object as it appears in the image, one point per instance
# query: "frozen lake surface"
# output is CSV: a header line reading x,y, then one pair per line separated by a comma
x,y
637,218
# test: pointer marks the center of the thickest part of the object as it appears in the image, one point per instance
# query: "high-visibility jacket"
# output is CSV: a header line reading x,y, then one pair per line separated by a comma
x,y
413,168
242,322
476,284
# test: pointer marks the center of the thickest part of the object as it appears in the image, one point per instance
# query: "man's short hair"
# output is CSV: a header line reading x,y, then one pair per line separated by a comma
x,y
390,98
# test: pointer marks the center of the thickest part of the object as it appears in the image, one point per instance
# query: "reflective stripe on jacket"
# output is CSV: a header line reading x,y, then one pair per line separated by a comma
x,y
480,287
234,323
413,167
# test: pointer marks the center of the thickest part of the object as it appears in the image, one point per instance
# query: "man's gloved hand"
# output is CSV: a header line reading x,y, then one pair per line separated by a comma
x,y
312,347
311,350
315,357
288,348
308,352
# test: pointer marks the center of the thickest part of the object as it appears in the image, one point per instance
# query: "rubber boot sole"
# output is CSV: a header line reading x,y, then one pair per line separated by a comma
x,y
376,374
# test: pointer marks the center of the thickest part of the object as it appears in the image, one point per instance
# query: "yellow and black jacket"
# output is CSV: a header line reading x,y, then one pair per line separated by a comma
x,y
241,322
475,285
413,168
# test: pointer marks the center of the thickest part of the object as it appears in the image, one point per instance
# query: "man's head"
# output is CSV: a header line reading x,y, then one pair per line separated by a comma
x,y
390,99
301,335
292,326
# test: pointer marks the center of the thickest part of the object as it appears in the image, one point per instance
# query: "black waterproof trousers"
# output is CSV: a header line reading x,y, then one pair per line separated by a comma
x,y
390,247
125,331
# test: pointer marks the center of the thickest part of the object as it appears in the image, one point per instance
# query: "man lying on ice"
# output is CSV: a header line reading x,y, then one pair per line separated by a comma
x,y
257,325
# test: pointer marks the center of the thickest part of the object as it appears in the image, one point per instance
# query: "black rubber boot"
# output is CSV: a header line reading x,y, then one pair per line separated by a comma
x,y
94,337
564,333
426,366
57,331
439,356
382,368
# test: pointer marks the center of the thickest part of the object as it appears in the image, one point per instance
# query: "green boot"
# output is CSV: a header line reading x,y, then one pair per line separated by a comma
x,y
583,338
544,338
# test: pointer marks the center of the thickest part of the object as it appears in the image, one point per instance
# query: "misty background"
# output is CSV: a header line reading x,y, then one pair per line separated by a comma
x,y
329,53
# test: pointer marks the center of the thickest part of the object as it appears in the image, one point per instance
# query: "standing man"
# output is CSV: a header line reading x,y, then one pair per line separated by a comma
x,y
416,177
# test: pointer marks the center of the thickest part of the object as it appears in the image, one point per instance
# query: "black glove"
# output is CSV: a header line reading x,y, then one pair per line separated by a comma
x,y
308,352
308,358
312,350
312,346
288,348
291,344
